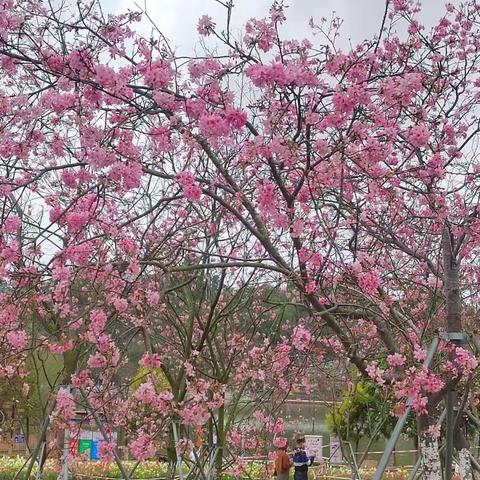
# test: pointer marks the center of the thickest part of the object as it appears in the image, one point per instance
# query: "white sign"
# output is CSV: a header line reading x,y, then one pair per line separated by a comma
x,y
313,446
85,435
336,456
95,435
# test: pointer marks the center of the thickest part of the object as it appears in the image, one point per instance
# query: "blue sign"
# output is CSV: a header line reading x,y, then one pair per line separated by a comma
x,y
94,451
19,438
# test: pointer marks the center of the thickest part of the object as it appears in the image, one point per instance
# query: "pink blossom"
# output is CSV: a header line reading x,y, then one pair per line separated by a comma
x,y
434,431
419,404
191,189
369,281
146,393
128,246
298,226
396,360
236,118
268,199
310,287
98,320
465,359
192,192
11,224
17,338
419,353
301,338
77,220
205,25
213,125
158,74
418,136
62,347
150,360
97,361
65,405
153,297
142,447
195,414
278,427
105,75
375,373
120,304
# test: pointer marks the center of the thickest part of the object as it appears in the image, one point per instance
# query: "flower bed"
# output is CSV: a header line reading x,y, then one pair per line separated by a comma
x,y
149,470
84,470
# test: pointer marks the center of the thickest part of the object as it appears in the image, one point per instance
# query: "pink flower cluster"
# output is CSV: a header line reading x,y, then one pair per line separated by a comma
x,y
268,199
260,32
205,25
146,393
418,386
369,281
213,125
375,373
150,360
418,136
190,187
465,360
143,447
283,75
396,360
158,74
105,75
301,338
194,414
17,339
65,405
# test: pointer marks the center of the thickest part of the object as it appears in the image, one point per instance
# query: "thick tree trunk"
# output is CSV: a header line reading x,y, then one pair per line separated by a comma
x,y
462,446
451,285
431,466
464,464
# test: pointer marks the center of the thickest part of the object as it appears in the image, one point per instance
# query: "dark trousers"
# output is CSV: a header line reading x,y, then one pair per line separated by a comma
x,y
300,475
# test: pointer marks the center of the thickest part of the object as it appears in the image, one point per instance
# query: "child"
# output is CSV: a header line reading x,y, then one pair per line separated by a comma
x,y
301,461
282,460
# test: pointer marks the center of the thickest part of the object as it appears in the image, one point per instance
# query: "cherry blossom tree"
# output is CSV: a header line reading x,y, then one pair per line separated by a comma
x,y
348,176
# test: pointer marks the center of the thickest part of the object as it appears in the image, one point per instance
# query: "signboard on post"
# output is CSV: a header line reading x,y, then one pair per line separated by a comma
x,y
313,446
19,438
336,456
89,443
84,446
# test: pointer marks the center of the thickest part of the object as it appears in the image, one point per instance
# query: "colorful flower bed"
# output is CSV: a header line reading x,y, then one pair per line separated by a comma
x,y
156,470
84,471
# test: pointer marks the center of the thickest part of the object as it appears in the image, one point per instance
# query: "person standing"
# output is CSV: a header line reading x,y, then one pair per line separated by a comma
x,y
301,461
282,460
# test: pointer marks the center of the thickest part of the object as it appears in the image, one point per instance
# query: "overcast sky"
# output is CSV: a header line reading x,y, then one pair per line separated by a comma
x,y
177,19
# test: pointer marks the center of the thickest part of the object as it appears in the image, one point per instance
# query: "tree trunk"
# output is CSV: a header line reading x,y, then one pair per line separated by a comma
x,y
462,446
220,442
431,466
464,464
416,447
451,285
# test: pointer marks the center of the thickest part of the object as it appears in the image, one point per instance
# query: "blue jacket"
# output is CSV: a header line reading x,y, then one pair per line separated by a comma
x,y
301,462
